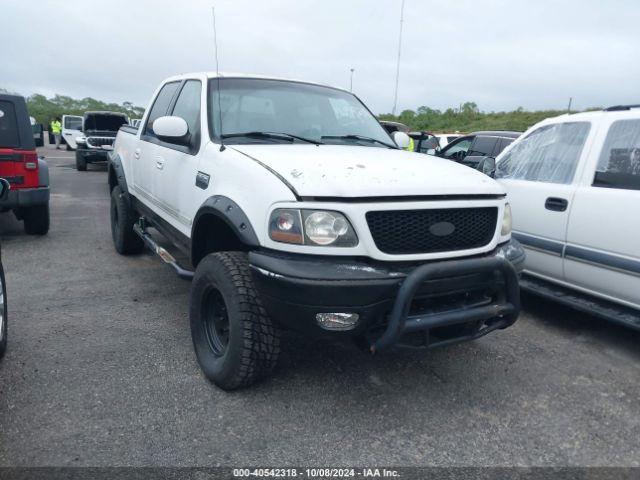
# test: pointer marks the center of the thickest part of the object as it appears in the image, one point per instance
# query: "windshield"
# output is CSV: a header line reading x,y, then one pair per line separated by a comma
x,y
299,112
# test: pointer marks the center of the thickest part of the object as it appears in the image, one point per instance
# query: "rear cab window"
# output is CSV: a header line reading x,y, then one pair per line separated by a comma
x,y
9,137
619,161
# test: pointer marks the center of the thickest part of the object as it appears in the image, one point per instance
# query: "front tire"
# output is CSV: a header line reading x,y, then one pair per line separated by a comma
x,y
81,162
123,217
236,342
36,219
3,313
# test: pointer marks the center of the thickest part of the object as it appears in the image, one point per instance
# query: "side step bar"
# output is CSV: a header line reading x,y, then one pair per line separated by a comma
x,y
140,229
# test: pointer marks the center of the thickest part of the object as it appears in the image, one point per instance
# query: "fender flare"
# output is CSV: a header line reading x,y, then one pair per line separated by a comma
x,y
116,170
43,172
230,212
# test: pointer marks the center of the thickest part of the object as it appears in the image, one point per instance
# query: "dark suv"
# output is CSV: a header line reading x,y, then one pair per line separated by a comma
x,y
27,174
469,149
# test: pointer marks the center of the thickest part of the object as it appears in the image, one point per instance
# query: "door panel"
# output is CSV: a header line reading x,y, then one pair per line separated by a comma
x,y
540,230
71,128
603,250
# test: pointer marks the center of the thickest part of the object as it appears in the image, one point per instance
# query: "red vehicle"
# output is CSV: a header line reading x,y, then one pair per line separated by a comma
x,y
27,174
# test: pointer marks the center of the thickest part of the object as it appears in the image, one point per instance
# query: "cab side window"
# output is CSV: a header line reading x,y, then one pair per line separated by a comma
x,y
160,106
188,107
483,146
619,162
457,150
548,154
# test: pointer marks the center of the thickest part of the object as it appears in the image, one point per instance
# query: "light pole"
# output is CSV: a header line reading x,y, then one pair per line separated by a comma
x,y
395,96
351,81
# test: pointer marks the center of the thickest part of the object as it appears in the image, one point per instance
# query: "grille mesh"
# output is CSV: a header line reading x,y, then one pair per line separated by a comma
x,y
412,231
100,141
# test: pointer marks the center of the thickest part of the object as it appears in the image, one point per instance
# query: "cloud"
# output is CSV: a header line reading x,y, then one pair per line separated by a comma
x,y
500,54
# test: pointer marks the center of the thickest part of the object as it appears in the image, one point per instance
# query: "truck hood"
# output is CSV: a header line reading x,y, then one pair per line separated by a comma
x,y
357,171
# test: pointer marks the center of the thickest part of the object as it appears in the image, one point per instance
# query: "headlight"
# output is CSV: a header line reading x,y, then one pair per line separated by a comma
x,y
81,140
506,220
311,227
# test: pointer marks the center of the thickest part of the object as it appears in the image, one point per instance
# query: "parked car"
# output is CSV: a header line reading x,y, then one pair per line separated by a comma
x,y
392,127
4,191
445,139
574,186
99,131
21,167
71,129
347,236
423,142
469,149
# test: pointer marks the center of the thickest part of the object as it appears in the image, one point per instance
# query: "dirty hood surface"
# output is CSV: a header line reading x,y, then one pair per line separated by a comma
x,y
355,171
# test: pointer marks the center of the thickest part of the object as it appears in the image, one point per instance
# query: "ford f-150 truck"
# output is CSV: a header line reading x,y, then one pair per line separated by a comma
x,y
99,132
297,210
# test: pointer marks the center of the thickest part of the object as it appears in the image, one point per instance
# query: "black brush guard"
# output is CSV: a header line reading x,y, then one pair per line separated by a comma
x,y
500,313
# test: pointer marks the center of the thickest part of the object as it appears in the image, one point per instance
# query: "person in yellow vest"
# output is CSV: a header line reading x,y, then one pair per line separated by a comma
x,y
56,129
411,146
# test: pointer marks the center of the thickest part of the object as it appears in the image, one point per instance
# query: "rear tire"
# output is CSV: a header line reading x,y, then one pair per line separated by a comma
x,y
3,313
36,219
236,342
123,217
81,162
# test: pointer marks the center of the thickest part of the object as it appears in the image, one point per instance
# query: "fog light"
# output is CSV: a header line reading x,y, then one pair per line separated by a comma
x,y
337,321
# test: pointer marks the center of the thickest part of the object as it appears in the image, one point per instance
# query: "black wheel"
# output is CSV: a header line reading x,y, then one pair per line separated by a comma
x,y
3,313
81,162
236,342
36,219
123,217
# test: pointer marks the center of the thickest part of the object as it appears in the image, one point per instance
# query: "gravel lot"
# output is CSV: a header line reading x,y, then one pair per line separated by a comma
x,y
100,371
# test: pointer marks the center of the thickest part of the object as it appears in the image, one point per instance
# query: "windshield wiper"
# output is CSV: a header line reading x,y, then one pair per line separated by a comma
x,y
353,136
276,135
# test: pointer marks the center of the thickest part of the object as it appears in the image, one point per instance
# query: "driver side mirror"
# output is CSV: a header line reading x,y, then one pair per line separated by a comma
x,y
172,130
402,139
487,165
4,188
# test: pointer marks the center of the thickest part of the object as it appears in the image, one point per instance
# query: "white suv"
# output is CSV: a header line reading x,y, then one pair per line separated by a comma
x,y
574,185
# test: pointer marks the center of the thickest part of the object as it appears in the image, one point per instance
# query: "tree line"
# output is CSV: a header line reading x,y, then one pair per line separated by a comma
x,y
469,118
44,109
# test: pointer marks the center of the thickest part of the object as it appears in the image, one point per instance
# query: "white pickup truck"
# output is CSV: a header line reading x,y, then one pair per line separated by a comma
x,y
297,210
574,186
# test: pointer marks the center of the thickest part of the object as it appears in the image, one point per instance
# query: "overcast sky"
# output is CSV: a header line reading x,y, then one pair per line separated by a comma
x,y
500,54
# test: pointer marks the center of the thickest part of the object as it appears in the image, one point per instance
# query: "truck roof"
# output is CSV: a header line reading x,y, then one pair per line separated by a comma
x,y
183,76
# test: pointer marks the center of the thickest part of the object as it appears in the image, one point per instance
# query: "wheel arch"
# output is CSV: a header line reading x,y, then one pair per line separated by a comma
x,y
116,175
220,225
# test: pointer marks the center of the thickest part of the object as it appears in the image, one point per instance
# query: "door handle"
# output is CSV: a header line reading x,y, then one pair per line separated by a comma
x,y
159,164
136,153
556,204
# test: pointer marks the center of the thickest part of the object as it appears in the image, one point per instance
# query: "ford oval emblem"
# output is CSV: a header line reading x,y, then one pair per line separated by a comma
x,y
442,229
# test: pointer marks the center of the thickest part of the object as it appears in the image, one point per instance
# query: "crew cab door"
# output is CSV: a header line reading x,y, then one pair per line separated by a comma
x,y
539,174
603,239
71,128
177,163
146,154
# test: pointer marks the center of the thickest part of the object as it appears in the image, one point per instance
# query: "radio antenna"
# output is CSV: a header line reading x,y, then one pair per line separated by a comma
x,y
215,43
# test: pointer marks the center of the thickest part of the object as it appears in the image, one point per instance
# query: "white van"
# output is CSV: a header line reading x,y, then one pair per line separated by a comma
x,y
574,186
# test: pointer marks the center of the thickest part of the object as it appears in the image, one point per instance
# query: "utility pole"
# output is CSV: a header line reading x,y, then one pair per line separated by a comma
x,y
395,96
569,107
351,81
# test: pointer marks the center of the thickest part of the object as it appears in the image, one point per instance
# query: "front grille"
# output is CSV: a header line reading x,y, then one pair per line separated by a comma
x,y
100,141
401,232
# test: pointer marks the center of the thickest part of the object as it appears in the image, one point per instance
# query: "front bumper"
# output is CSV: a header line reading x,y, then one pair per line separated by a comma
x,y
418,305
25,197
94,154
